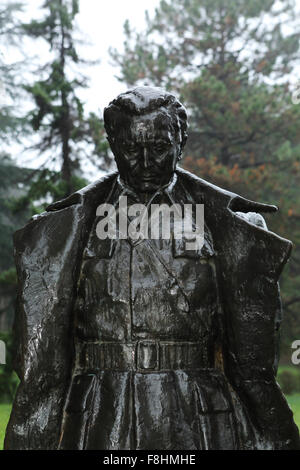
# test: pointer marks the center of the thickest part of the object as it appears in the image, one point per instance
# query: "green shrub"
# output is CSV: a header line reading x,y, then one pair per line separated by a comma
x,y
8,378
289,381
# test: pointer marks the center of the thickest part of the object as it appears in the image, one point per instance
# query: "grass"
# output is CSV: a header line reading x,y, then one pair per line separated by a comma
x,y
295,370
4,417
293,400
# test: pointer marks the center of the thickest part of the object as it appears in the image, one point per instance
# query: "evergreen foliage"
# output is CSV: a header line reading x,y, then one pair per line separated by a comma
x,y
231,63
58,115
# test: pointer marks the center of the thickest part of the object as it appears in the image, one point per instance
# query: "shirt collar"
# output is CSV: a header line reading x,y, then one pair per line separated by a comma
x,y
166,189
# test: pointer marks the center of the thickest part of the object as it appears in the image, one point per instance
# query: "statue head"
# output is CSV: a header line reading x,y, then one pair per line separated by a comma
x,y
146,129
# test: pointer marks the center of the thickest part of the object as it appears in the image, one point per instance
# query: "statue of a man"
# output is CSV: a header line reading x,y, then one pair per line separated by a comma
x,y
139,343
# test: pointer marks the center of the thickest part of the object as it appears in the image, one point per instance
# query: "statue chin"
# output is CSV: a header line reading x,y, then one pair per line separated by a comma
x,y
147,185
144,186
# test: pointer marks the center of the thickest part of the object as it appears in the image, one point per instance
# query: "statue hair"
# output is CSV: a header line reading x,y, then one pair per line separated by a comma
x,y
143,100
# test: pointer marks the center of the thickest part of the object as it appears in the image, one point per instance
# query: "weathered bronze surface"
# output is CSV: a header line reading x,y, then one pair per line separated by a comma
x,y
142,344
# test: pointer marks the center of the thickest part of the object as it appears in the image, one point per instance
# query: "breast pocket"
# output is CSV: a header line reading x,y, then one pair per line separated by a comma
x,y
196,270
189,246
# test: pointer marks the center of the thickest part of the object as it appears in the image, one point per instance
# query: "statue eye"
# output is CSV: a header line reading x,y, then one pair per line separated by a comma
x,y
130,148
161,146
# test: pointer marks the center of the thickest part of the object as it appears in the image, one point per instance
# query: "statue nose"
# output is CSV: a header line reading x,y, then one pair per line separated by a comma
x,y
145,158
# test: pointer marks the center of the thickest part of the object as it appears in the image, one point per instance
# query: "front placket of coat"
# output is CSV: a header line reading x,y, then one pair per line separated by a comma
x,y
154,294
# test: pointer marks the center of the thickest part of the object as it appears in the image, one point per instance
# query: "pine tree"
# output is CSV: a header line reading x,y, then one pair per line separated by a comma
x,y
230,63
10,86
58,116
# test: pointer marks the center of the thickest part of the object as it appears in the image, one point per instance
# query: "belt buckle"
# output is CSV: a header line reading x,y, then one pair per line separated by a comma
x,y
147,355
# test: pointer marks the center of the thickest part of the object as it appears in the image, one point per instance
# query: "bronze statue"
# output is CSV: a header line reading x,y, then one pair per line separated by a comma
x,y
128,343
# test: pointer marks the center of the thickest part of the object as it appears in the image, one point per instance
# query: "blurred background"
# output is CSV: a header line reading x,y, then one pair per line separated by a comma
x,y
235,64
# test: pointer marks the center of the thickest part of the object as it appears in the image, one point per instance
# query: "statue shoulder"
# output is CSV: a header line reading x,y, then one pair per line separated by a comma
x,y
223,204
214,195
78,205
97,190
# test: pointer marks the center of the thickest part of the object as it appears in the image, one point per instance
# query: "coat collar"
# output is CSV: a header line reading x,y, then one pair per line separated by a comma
x,y
104,187
221,207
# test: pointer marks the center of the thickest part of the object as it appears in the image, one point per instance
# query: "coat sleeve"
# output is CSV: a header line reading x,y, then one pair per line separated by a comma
x,y
258,220
46,254
252,260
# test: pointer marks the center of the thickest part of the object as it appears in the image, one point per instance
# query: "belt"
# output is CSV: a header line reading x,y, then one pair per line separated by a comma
x,y
142,355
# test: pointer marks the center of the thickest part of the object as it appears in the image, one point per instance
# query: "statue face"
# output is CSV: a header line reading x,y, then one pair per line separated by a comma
x,y
146,151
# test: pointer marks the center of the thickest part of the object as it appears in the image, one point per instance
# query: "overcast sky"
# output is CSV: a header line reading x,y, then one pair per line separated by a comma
x,y
101,22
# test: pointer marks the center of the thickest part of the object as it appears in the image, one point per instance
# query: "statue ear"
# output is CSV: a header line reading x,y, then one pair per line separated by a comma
x,y
182,144
184,139
111,142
